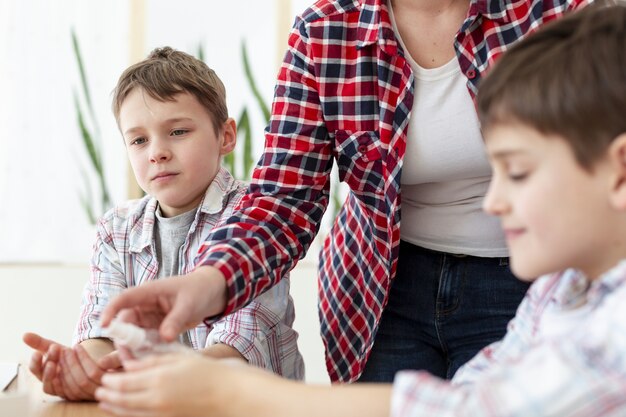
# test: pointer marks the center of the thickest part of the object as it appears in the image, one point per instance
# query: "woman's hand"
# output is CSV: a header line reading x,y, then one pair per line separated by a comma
x,y
172,305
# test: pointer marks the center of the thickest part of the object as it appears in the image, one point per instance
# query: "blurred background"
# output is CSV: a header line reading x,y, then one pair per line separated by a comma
x,y
62,159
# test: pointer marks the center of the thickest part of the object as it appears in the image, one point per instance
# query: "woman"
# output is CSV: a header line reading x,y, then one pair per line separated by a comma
x,y
386,90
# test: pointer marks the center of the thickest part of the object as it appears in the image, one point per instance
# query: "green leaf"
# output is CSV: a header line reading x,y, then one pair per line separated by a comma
x,y
245,130
83,79
86,198
88,142
229,163
200,53
252,83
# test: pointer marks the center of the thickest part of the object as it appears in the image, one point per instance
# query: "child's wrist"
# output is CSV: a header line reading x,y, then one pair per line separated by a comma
x,y
223,351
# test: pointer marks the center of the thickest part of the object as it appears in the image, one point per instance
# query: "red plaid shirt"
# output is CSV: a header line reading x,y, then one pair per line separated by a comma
x,y
344,94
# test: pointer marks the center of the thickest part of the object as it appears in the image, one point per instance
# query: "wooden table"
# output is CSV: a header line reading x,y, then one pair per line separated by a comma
x,y
43,405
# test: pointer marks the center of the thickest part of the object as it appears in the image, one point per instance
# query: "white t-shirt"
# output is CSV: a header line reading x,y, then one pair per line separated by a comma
x,y
445,171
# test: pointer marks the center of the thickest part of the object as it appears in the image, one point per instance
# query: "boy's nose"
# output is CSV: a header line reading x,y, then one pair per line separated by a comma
x,y
160,154
494,203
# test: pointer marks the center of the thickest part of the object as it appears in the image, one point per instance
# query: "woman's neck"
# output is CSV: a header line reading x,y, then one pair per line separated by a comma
x,y
428,27
430,7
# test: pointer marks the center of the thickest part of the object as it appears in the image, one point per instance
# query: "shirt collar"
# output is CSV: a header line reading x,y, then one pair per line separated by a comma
x,y
495,10
492,9
214,201
375,24
216,196
609,281
574,288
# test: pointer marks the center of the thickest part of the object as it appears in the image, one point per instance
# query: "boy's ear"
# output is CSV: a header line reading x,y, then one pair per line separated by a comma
x,y
229,136
617,157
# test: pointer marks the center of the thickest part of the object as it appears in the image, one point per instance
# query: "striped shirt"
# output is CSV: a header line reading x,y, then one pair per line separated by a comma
x,y
564,354
125,256
344,95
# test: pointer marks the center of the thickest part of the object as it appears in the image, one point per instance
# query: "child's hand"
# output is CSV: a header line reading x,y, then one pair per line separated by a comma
x,y
189,385
44,367
79,374
70,373
44,361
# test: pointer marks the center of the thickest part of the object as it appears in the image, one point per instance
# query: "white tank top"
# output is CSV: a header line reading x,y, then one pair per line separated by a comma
x,y
445,172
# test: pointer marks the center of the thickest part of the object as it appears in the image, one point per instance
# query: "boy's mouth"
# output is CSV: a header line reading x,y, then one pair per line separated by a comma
x,y
164,176
513,232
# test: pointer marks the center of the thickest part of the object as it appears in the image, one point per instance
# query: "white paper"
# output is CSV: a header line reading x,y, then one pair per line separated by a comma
x,y
8,372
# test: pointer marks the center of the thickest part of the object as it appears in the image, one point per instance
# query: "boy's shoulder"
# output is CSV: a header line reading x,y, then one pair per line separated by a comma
x,y
127,213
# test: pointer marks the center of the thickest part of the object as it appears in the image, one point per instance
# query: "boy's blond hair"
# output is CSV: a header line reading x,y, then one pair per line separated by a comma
x,y
167,72
568,79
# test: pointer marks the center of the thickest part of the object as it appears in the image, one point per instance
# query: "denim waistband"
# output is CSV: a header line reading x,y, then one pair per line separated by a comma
x,y
502,261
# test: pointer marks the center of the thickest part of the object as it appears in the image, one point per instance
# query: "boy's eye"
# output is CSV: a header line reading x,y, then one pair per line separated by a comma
x,y
517,176
138,141
178,132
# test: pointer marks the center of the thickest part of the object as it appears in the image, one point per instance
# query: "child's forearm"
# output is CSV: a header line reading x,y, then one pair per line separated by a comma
x,y
302,400
357,400
222,351
97,348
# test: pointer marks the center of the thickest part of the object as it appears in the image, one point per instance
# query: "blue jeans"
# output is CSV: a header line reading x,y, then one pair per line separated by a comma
x,y
442,310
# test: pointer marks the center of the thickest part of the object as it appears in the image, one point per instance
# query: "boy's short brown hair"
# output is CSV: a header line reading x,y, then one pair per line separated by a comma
x,y
167,72
567,79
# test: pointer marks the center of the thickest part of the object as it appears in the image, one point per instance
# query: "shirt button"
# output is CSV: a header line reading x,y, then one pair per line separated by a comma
x,y
471,74
362,148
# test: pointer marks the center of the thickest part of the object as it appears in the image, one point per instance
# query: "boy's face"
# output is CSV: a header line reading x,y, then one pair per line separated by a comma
x,y
173,148
555,214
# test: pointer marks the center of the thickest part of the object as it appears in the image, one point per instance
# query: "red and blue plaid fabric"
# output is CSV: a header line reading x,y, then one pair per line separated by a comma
x,y
344,94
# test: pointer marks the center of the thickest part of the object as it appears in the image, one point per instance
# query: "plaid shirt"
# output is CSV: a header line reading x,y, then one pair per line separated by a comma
x,y
125,256
344,93
546,365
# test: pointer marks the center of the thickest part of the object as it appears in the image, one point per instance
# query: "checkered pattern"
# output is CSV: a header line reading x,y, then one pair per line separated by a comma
x,y
124,256
344,94
574,367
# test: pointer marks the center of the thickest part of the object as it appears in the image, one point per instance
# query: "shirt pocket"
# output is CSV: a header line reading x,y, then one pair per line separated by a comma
x,y
360,161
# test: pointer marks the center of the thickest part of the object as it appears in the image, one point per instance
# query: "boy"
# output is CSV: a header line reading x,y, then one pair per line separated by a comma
x,y
171,111
553,112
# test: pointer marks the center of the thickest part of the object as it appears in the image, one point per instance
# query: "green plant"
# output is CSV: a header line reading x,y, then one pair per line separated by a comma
x,y
91,140
244,126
